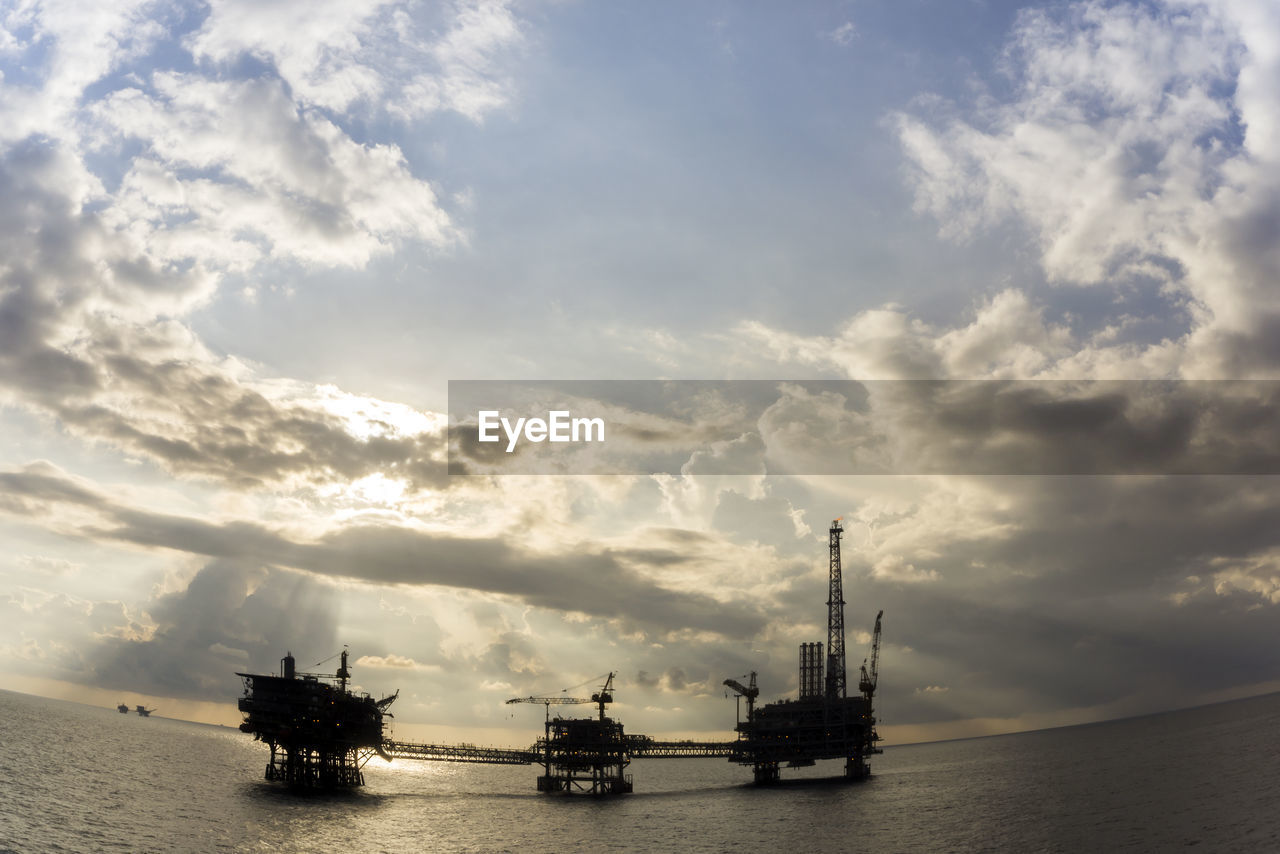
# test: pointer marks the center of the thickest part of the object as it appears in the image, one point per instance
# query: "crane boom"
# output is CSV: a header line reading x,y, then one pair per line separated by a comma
x,y
601,698
550,701
871,676
750,691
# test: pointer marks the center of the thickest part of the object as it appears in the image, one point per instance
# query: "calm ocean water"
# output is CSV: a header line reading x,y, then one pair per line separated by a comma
x,y
78,778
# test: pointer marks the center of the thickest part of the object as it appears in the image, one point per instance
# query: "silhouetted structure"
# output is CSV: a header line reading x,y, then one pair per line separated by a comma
x,y
320,734
867,684
824,724
583,754
835,618
811,684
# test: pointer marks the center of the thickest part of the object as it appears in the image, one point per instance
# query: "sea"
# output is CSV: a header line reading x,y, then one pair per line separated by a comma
x,y
76,778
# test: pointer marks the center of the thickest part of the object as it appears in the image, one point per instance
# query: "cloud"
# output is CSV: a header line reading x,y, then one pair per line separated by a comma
x,y
53,634
1096,148
822,430
199,419
842,35
585,580
1007,337
40,485
322,50
235,172
151,156
894,568
470,79
62,269
392,660
49,565
340,55
62,48
1068,592
908,426
232,616
1133,147
1129,142
513,657
136,183
84,339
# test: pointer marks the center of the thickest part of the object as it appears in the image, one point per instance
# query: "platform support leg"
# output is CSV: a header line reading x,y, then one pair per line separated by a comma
x,y
856,768
766,773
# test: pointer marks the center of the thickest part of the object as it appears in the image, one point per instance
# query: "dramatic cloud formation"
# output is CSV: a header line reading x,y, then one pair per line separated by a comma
x,y
244,244
231,617
597,584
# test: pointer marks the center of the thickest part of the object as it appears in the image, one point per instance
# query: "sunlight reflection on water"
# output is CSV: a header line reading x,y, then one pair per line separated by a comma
x,y
92,780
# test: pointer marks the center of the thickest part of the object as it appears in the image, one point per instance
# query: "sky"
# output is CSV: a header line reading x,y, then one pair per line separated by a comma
x,y
245,247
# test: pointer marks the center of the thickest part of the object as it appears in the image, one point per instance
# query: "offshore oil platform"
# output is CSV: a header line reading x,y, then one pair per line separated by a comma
x,y
142,710
583,754
824,722
321,734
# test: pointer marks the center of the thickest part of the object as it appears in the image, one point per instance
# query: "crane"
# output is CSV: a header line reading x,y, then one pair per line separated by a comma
x,y
867,683
550,701
750,691
600,698
605,695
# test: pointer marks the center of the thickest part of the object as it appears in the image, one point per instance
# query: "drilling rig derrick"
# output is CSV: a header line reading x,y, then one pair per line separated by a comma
x,y
835,618
824,722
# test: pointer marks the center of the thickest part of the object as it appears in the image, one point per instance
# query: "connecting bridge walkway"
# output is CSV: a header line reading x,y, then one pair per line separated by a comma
x,y
458,753
637,747
643,747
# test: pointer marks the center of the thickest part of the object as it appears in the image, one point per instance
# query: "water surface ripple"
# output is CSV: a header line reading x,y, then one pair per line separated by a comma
x,y
83,779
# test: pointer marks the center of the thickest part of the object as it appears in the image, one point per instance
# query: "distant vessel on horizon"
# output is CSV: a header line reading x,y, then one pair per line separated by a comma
x,y
123,708
143,710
